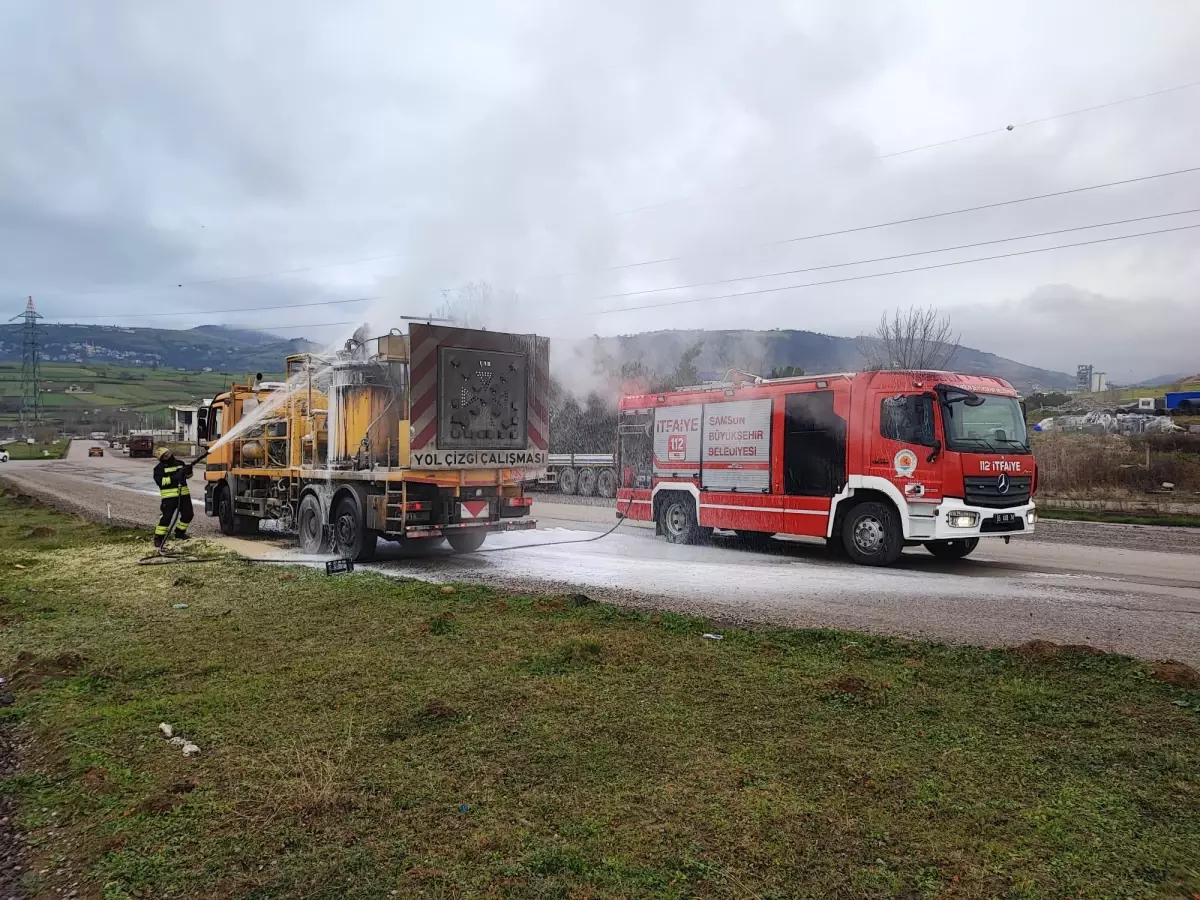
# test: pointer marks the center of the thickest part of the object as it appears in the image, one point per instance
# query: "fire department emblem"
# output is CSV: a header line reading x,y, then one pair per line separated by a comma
x,y
905,463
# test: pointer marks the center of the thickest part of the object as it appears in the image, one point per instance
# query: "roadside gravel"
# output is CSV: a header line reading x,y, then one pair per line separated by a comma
x,y
96,501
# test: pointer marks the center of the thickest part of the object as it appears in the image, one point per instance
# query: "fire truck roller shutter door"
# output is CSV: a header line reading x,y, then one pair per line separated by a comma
x,y
736,446
677,432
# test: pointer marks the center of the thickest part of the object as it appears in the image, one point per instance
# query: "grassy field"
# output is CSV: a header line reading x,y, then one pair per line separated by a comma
x,y
367,737
1118,518
137,389
22,450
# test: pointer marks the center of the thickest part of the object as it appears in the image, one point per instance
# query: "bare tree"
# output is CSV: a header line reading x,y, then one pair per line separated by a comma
x,y
919,339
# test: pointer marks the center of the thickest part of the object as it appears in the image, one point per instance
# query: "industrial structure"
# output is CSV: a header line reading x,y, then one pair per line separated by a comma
x,y
422,435
31,369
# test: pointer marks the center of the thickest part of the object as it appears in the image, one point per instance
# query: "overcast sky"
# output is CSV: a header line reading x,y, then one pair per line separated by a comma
x,y
393,150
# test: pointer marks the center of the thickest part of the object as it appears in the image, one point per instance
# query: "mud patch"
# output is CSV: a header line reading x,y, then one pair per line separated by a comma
x,y
96,781
1049,650
849,684
13,860
169,799
1173,672
42,531
34,671
436,709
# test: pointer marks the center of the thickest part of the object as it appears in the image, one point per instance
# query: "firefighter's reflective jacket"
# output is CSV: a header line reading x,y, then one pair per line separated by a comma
x,y
171,477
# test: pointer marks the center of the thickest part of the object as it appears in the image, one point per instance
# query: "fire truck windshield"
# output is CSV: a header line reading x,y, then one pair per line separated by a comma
x,y
983,422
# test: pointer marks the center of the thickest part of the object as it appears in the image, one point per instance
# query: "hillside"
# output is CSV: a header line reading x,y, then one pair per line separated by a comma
x,y
208,346
760,351
107,397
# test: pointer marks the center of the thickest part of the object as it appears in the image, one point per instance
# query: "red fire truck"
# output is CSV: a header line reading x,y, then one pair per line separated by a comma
x,y
871,461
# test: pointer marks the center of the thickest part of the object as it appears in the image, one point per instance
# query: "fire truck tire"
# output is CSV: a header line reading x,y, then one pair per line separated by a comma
x,y
677,520
352,538
587,482
872,535
953,549
310,523
568,481
606,483
229,523
467,541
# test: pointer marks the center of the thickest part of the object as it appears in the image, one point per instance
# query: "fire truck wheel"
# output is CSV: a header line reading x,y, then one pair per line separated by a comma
x,y
351,537
872,535
310,523
587,482
677,520
229,523
467,541
568,480
606,483
954,549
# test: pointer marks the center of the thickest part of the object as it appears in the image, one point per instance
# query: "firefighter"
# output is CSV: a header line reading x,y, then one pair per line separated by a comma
x,y
171,476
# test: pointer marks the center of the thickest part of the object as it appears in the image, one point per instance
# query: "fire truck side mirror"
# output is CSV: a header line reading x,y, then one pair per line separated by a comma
x,y
202,424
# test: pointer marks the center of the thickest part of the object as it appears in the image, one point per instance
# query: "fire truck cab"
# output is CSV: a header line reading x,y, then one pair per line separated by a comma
x,y
871,461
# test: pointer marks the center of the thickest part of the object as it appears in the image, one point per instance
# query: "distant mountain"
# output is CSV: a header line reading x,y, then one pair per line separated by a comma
x,y
1165,380
245,336
215,347
761,351
238,350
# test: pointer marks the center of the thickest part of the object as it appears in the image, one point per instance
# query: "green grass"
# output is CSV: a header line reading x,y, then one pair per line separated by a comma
x,y
136,388
363,735
22,450
1120,518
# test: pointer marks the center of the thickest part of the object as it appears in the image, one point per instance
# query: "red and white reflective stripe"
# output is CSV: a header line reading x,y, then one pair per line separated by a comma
x,y
766,509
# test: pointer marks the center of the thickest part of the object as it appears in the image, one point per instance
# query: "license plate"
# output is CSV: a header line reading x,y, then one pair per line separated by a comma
x,y
1004,518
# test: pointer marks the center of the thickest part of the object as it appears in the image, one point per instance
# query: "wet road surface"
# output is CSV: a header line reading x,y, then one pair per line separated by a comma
x,y
1074,583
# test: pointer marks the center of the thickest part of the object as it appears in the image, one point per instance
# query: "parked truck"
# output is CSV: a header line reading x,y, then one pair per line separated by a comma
x,y
141,445
1182,403
406,437
583,474
872,462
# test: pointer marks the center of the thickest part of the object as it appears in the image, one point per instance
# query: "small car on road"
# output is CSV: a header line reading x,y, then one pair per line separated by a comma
x,y
95,451
3,456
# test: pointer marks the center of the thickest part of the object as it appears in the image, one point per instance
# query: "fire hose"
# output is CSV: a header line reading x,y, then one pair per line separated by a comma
x,y
161,556
587,540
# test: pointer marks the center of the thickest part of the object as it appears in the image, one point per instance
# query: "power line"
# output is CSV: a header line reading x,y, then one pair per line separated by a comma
x,y
911,219
205,312
860,262
948,141
876,225
891,155
945,265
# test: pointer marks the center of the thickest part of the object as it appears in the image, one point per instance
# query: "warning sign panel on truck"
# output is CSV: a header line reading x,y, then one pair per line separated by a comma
x,y
677,440
736,446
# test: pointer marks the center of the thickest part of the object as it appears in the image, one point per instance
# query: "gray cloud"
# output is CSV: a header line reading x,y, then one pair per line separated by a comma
x,y
150,145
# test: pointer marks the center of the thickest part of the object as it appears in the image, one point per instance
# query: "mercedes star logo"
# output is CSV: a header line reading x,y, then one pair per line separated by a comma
x,y
1002,484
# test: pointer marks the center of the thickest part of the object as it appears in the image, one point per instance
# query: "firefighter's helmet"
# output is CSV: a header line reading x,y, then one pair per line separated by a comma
x,y
161,453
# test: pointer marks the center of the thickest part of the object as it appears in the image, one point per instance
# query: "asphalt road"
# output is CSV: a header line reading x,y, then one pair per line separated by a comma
x,y
1130,589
